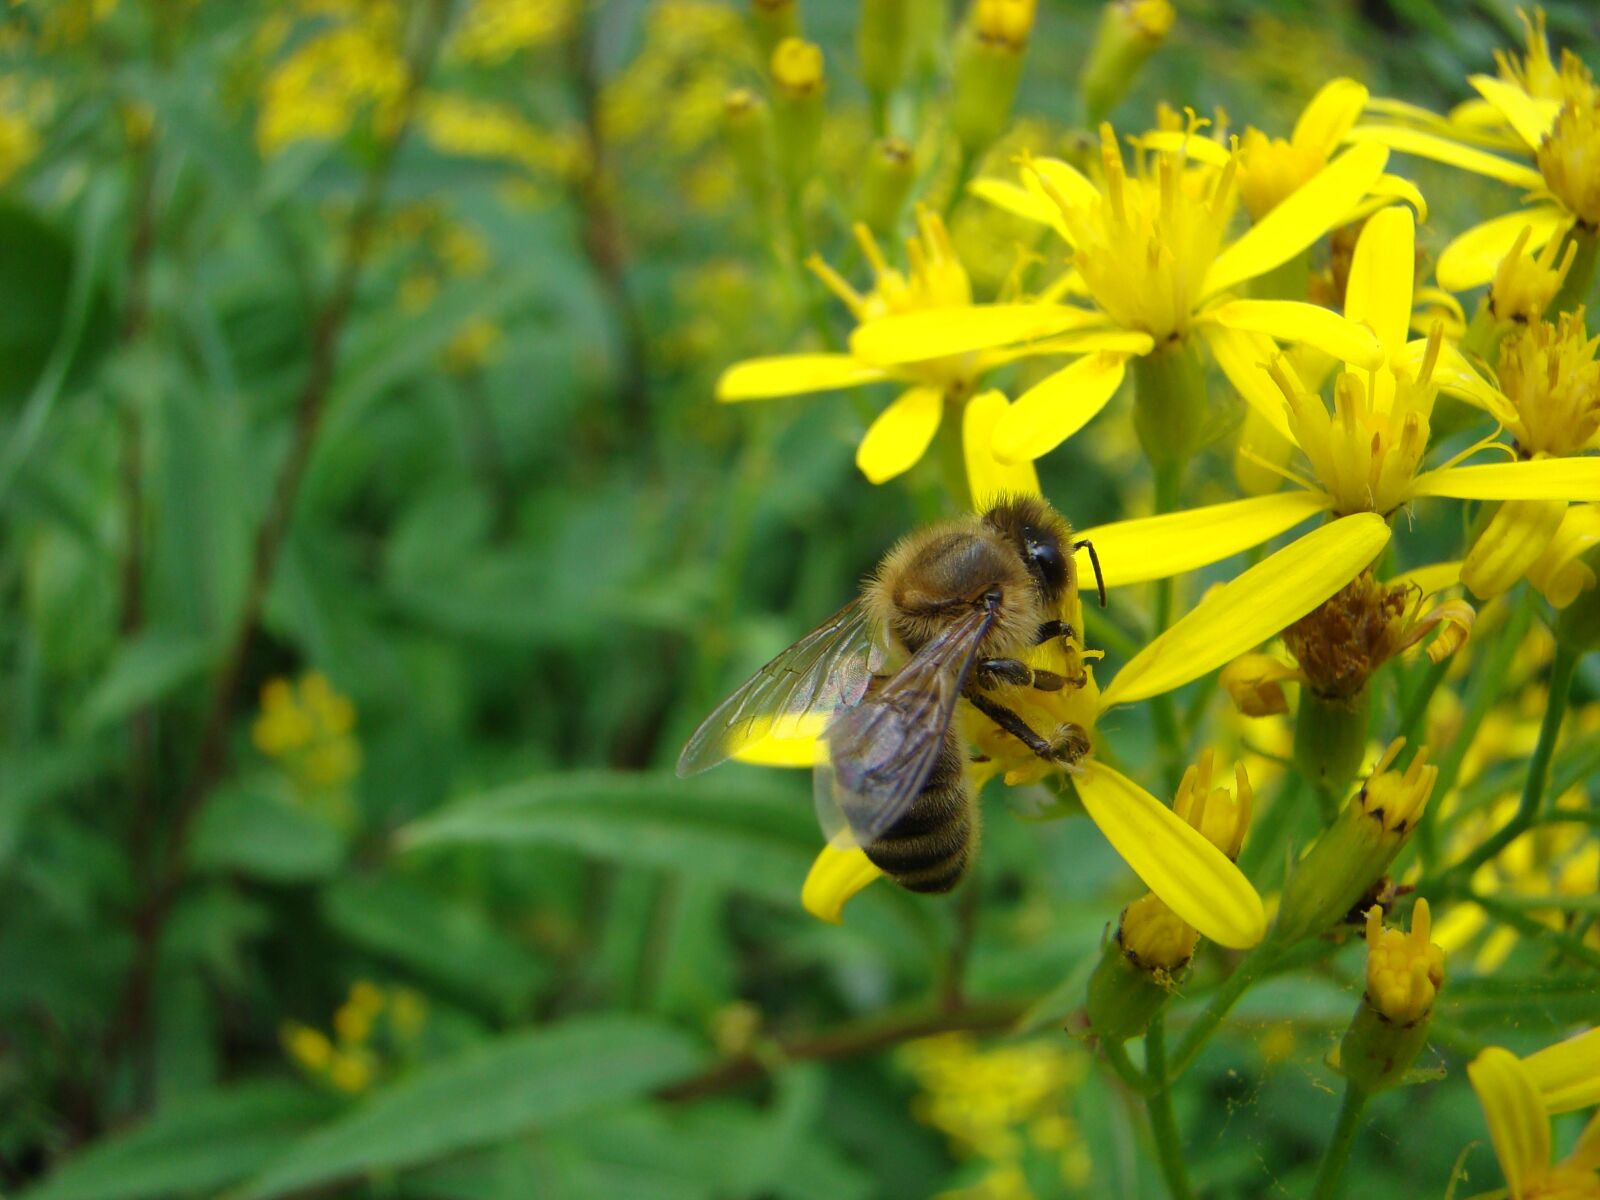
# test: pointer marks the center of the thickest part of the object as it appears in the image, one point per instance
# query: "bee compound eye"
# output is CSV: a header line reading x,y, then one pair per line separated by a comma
x,y
1046,556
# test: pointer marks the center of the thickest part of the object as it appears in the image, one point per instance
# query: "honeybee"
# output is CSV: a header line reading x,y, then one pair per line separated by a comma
x,y
943,618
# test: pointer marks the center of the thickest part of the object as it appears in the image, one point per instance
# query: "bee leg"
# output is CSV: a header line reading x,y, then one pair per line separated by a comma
x,y
1012,724
1054,629
1018,674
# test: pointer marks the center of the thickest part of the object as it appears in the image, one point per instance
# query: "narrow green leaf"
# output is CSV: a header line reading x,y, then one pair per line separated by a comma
x,y
205,1143
501,1089
143,671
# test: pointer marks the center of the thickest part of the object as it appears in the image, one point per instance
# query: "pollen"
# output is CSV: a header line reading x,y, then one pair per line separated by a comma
x,y
1569,158
1550,375
1143,246
1404,970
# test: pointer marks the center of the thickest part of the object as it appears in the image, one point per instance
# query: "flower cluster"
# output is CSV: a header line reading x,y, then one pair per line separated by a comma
x,y
375,1031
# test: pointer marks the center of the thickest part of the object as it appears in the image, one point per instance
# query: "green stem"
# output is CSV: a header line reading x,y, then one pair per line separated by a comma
x,y
1251,968
1117,1058
1163,1125
1411,719
1562,671
965,165
1163,708
1344,1136
1575,288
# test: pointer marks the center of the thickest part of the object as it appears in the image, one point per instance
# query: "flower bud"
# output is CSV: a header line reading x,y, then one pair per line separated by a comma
x,y
1404,974
891,170
1222,817
1567,160
1138,969
797,79
1130,31
1254,682
747,128
1356,850
988,67
774,21
1524,284
881,46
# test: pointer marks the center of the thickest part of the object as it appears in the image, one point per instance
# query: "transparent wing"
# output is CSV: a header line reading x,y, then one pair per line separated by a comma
x,y
829,667
883,749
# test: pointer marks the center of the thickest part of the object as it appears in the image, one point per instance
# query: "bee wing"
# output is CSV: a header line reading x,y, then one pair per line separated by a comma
x,y
828,668
883,749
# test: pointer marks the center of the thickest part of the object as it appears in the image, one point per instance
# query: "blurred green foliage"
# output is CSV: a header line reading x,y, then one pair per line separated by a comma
x,y
468,938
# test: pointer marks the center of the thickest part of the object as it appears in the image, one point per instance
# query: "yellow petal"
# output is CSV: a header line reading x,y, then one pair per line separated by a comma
x,y
1243,358
1441,149
783,750
1174,859
1568,1073
1017,200
897,439
1382,272
1434,577
987,476
1473,257
1328,117
794,375
1517,534
838,873
1071,184
1515,1115
1398,187
1156,547
1455,375
1197,149
1247,611
1541,479
1311,324
1529,116
1561,575
938,332
1051,411
1300,219
1585,1154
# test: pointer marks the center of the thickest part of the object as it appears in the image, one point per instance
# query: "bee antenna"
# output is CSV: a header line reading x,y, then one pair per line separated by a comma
x,y
1094,560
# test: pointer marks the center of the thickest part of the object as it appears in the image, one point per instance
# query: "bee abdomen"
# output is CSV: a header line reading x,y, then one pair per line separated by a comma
x,y
929,849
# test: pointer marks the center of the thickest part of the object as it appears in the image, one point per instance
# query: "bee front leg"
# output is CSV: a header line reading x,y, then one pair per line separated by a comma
x,y
1014,725
1054,629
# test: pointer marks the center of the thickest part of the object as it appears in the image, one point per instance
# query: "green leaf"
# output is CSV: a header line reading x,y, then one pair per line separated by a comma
x,y
501,1089
257,828
450,942
746,832
206,1142
143,671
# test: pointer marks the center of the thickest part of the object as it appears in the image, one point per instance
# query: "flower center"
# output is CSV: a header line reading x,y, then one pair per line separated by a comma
x,y
1550,375
1569,157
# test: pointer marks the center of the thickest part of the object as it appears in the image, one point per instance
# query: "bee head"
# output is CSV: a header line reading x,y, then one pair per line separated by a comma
x,y
1041,538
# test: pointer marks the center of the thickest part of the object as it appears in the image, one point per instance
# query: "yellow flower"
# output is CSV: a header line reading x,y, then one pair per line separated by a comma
x,y
1552,385
327,81
1525,283
308,727
1554,120
1519,1126
934,281
491,31
1367,455
1153,252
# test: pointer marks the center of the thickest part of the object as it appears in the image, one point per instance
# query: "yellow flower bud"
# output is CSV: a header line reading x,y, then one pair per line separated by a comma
x,y
1254,682
1404,974
1355,851
1404,970
308,1047
1221,816
1129,32
1006,23
1154,937
1524,284
797,67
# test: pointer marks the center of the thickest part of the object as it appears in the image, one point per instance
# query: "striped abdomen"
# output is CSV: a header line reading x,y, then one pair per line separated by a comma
x,y
928,849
